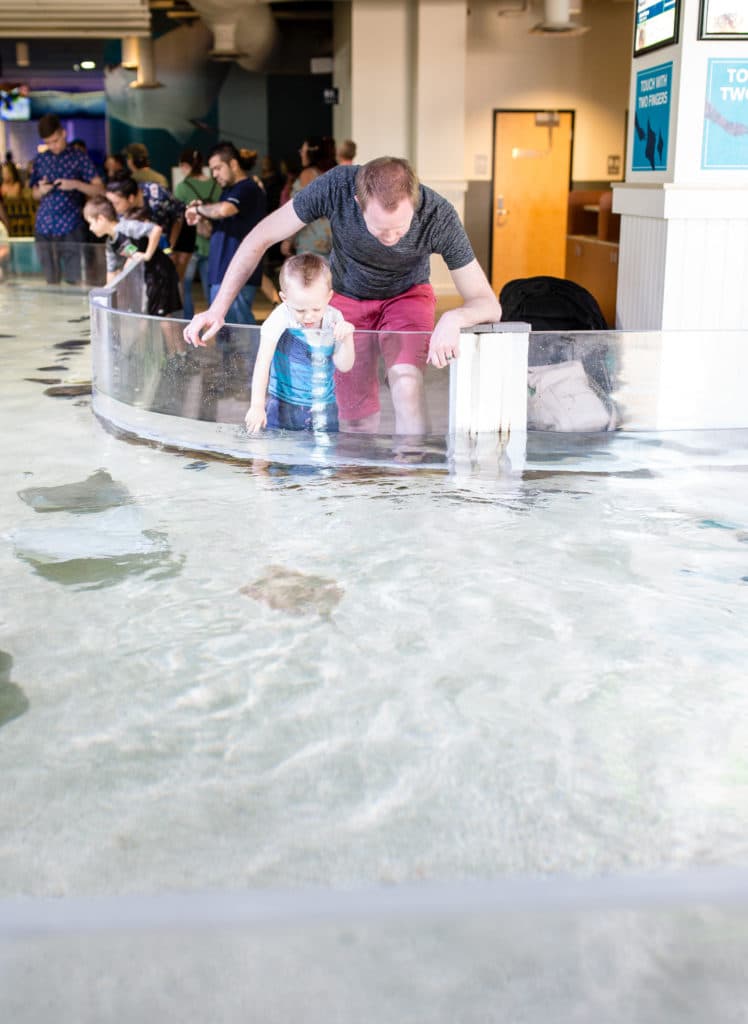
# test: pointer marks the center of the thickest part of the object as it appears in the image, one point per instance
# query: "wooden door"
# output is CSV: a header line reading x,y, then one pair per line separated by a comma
x,y
531,180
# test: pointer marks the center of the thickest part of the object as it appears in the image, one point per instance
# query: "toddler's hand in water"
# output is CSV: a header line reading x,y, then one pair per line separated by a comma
x,y
255,419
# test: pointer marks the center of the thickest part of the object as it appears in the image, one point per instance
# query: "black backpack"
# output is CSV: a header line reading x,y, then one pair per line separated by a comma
x,y
551,304
554,304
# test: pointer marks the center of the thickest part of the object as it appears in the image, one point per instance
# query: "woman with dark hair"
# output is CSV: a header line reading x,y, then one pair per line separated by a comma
x,y
317,236
147,201
115,164
193,245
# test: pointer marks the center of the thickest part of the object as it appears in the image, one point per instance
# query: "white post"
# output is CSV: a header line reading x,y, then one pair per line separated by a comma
x,y
488,396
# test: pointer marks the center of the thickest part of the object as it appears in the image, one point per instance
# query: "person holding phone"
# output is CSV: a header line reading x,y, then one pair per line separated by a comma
x,y
62,179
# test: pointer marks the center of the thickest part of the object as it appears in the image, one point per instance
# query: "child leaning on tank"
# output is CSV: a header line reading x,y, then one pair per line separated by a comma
x,y
130,240
302,343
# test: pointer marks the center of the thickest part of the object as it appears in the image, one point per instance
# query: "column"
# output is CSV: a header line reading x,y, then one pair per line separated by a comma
x,y
683,260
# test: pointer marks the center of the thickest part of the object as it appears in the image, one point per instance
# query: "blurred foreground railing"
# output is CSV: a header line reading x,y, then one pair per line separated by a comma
x,y
664,948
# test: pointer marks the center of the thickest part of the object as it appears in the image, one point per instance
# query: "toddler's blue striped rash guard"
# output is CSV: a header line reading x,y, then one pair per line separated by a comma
x,y
301,373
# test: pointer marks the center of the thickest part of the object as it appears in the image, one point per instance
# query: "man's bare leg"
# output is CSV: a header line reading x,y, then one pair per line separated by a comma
x,y
365,425
406,388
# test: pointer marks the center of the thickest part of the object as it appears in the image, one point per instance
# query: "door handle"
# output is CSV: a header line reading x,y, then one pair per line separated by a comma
x,y
501,211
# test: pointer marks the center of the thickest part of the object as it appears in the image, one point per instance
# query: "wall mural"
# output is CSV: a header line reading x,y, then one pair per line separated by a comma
x,y
182,111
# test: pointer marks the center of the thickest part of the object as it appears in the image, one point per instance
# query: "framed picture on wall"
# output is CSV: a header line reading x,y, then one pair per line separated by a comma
x,y
723,19
656,24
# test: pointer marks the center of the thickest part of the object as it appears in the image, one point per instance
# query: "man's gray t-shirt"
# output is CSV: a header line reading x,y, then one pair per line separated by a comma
x,y
362,267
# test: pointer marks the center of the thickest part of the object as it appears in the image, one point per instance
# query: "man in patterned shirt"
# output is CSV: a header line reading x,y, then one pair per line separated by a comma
x,y
62,179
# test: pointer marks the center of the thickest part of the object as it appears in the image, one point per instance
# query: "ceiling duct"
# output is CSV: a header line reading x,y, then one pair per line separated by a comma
x,y
130,52
557,20
243,30
146,76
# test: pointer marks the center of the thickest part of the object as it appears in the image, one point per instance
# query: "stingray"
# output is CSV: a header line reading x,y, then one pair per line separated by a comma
x,y
69,390
295,592
71,343
93,494
13,701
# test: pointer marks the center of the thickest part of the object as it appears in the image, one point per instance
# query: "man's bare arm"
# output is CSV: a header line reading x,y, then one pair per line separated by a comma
x,y
480,306
274,228
271,229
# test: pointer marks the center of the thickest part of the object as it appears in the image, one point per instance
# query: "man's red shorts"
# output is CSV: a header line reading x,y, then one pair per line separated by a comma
x,y
403,325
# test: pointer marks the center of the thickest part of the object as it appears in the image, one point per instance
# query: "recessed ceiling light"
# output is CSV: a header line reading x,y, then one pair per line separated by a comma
x,y
88,65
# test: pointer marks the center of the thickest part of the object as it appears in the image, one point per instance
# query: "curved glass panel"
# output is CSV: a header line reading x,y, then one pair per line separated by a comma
x,y
29,263
148,382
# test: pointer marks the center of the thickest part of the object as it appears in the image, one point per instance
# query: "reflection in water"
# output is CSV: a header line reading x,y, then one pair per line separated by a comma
x,y
295,592
94,494
111,545
96,573
13,701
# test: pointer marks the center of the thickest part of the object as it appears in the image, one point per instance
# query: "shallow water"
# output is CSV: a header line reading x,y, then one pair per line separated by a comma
x,y
526,676
221,676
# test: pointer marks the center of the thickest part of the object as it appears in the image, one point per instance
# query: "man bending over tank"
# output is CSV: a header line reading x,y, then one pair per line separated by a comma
x,y
385,226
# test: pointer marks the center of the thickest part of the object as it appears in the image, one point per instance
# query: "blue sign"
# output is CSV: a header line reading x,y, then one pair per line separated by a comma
x,y
652,118
725,143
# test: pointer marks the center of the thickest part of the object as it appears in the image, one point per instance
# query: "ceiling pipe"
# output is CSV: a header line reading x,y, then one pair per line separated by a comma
x,y
146,77
557,20
130,52
22,55
556,12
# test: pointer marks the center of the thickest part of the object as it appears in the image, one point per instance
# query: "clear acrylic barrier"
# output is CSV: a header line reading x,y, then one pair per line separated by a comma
x,y
24,261
652,950
643,380
149,383
507,402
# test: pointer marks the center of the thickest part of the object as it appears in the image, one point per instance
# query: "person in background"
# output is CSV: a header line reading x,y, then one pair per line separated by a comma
x,y
346,151
290,168
292,384
240,207
315,237
147,201
115,166
195,186
139,166
136,240
272,182
62,178
386,226
12,186
4,238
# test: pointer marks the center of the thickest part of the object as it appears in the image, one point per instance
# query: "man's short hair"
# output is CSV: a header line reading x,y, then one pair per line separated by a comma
x,y
99,205
48,125
347,149
226,152
138,153
389,180
306,268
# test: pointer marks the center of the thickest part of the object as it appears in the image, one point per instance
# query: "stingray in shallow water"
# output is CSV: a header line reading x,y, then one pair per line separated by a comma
x,y
295,592
71,343
69,390
13,701
93,494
